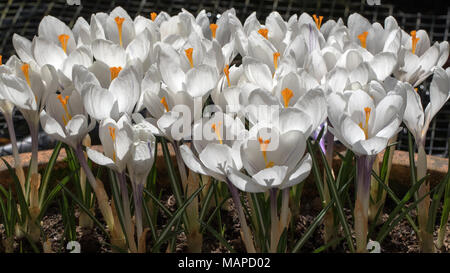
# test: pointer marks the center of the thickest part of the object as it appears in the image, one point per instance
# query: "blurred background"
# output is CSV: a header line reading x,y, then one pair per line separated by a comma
x,y
23,17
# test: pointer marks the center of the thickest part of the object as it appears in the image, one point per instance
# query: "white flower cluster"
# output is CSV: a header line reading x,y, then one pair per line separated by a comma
x,y
294,77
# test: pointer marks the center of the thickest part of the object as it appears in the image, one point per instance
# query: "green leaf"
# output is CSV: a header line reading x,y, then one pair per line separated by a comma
x,y
400,208
397,201
175,217
47,173
218,236
339,208
85,209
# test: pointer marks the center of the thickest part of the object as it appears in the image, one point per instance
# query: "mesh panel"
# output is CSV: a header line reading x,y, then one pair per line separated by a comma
x,y
23,17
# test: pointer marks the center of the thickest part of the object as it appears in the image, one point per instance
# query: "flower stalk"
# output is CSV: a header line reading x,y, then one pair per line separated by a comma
x,y
245,231
364,165
426,237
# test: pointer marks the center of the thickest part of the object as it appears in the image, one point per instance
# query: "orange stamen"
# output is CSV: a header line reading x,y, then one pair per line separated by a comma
x,y
415,40
189,56
63,38
263,145
264,32
1,57
115,71
226,70
217,131
287,96
119,22
26,72
365,128
64,103
112,133
164,103
153,15
276,55
362,37
213,28
318,21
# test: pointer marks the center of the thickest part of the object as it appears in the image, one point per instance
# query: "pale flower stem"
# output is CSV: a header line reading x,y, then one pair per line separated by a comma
x,y
97,187
34,130
274,233
127,213
284,213
364,165
426,238
17,160
245,231
329,225
84,165
138,189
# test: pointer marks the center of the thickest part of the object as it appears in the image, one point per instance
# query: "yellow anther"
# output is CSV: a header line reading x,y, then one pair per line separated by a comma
x,y
164,103
112,133
414,41
189,55
119,22
226,70
264,32
276,55
63,39
417,89
287,96
363,37
365,128
217,131
153,15
263,145
26,72
115,71
318,21
64,102
213,28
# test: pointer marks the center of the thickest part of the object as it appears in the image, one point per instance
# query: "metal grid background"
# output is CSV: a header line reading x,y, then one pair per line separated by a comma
x,y
23,17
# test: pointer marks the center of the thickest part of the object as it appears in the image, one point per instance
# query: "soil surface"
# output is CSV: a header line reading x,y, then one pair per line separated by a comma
x,y
402,239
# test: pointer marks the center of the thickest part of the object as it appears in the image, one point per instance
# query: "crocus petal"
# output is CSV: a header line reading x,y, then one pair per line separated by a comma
x,y
244,183
300,174
191,161
200,80
271,177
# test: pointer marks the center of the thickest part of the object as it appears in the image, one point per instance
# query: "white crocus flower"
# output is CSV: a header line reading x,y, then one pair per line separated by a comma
x,y
362,67
274,153
227,92
139,165
220,30
177,28
28,88
7,109
419,58
183,92
54,46
64,118
215,146
416,119
298,90
274,31
100,103
365,126
217,141
116,139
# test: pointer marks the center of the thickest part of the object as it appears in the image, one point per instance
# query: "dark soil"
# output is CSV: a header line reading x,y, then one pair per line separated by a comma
x,y
402,239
